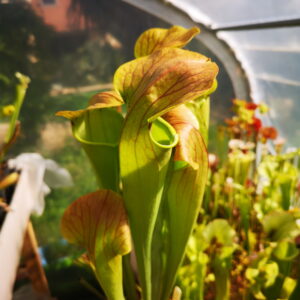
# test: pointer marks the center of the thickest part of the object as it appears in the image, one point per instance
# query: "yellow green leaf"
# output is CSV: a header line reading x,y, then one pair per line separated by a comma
x,y
21,89
183,196
157,38
106,99
100,100
201,109
98,223
98,129
164,79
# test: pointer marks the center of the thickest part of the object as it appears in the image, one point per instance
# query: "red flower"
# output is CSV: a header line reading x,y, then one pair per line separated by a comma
x,y
249,183
256,124
251,106
268,133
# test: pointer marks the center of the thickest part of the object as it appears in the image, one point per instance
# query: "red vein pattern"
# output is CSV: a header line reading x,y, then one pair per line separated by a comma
x,y
98,221
151,86
98,101
184,193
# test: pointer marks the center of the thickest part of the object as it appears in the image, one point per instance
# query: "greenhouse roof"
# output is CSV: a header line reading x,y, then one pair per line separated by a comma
x,y
265,39
219,14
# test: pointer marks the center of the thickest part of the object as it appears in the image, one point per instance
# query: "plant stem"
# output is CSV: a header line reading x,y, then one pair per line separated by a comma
x,y
129,280
91,288
222,282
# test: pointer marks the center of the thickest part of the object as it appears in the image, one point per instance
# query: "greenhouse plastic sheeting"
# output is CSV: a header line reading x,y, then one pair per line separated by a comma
x,y
223,13
269,54
271,59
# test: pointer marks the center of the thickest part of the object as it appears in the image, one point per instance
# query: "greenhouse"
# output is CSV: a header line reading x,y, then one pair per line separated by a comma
x,y
149,150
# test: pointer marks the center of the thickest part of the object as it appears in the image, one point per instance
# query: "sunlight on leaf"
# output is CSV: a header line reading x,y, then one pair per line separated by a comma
x,y
157,38
100,100
152,86
280,225
183,197
98,129
163,159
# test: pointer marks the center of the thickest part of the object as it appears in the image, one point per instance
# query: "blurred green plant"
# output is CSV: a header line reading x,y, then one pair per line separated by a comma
x,y
255,195
26,44
9,115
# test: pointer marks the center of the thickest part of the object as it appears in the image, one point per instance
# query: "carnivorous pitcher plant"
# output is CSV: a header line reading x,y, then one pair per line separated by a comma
x,y
151,164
